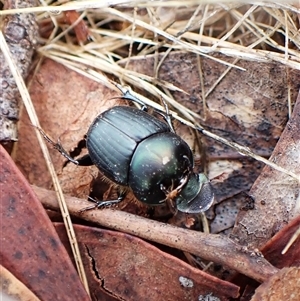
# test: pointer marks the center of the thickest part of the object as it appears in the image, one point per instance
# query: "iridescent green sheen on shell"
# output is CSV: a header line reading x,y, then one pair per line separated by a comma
x,y
160,159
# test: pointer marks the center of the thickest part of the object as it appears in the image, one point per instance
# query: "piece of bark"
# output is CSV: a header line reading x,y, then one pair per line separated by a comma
x,y
217,248
20,32
276,195
30,247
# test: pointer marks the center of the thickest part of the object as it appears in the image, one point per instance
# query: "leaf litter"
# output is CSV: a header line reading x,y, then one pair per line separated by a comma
x,y
127,42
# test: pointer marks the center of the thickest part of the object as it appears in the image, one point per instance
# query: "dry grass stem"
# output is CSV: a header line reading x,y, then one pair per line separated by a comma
x,y
243,31
35,122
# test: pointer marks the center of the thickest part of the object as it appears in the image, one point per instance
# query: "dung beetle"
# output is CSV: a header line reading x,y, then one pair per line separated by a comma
x,y
137,150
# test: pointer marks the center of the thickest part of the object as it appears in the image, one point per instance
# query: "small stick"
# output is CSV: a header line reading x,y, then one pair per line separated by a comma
x,y
212,247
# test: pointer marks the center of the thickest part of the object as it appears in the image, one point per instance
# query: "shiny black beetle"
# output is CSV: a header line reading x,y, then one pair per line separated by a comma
x,y
133,148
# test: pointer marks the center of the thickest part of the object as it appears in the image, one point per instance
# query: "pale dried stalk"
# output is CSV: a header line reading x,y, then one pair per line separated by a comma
x,y
35,122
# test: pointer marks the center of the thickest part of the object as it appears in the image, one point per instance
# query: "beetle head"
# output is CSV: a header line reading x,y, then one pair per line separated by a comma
x,y
196,195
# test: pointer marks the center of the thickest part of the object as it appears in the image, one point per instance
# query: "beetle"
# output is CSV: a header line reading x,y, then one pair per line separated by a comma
x,y
139,151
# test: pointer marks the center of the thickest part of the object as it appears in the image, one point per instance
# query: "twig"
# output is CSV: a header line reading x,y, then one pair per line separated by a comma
x,y
217,248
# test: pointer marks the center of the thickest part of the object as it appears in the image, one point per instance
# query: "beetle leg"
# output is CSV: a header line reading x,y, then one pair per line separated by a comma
x,y
128,95
164,190
172,193
166,115
82,161
189,165
171,206
167,118
102,204
85,160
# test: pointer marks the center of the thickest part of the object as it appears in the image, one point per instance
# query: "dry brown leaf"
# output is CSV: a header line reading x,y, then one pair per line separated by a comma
x,y
30,247
66,103
274,247
276,195
127,268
